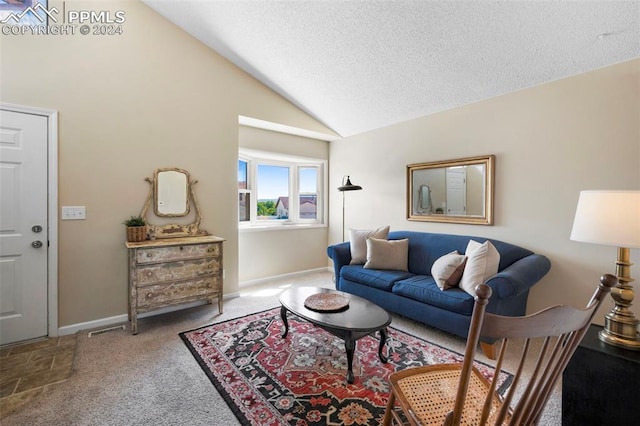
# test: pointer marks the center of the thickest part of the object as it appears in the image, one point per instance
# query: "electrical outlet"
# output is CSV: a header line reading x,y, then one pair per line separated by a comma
x,y
74,213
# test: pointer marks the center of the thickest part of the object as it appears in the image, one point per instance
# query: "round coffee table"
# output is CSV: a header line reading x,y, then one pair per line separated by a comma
x,y
361,318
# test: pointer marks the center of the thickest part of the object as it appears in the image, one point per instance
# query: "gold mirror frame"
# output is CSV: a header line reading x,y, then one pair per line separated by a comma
x,y
172,230
423,187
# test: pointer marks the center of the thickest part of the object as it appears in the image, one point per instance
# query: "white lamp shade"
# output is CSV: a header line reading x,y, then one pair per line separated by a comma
x,y
608,217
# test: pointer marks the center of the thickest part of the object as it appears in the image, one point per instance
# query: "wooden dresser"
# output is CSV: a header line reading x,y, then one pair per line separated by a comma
x,y
173,271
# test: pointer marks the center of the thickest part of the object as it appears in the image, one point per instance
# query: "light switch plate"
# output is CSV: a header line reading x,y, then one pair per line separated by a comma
x,y
74,213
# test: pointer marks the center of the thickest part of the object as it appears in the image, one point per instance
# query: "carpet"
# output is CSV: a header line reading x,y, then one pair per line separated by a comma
x,y
300,380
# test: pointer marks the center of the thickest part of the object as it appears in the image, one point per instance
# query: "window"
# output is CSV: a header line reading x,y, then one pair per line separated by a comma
x,y
276,190
308,178
244,195
272,184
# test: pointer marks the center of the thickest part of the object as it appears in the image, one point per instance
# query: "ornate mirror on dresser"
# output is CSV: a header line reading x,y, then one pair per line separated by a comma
x,y
179,263
172,190
171,193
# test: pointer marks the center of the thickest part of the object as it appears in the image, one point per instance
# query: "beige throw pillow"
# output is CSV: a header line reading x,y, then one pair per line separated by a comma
x,y
482,263
387,254
358,240
447,270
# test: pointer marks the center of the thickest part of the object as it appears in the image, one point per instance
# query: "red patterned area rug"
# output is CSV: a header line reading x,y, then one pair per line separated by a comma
x,y
301,380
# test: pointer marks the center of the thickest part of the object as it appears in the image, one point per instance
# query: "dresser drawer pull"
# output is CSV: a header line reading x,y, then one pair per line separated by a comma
x,y
149,295
149,255
149,273
211,250
181,248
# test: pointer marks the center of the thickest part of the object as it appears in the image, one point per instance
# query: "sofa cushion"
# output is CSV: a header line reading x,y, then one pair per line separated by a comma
x,y
482,263
447,270
423,288
358,242
383,280
387,255
425,248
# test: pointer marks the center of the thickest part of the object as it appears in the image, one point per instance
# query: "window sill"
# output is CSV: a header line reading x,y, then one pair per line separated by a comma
x,y
297,226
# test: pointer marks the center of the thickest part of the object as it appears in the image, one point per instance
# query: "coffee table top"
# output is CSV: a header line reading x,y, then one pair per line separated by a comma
x,y
361,315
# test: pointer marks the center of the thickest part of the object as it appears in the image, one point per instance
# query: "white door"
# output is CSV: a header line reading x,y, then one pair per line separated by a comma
x,y
23,226
456,191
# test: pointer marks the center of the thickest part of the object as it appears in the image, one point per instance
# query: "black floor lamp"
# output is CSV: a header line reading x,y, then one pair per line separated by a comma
x,y
348,186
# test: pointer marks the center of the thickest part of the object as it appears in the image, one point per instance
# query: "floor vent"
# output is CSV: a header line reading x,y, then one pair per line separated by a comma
x,y
105,330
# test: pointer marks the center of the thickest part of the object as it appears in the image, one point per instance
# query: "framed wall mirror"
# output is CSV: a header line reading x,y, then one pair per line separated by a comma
x,y
453,191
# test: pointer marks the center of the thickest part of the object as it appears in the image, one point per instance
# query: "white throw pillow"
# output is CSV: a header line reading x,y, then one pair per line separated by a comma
x,y
387,254
482,263
358,240
447,270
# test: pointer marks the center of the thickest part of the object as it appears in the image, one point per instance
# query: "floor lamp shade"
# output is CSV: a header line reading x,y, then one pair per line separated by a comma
x,y
346,186
612,218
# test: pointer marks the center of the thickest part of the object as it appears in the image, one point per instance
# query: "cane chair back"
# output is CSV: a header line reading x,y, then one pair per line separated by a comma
x,y
458,394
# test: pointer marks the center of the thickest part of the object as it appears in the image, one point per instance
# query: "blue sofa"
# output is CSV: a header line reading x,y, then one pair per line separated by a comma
x,y
414,294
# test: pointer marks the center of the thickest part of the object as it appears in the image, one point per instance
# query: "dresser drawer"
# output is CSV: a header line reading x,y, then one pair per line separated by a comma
x,y
151,274
177,292
187,251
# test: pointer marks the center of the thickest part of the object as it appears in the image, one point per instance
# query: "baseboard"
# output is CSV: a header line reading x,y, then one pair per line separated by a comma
x,y
120,319
89,325
124,318
257,281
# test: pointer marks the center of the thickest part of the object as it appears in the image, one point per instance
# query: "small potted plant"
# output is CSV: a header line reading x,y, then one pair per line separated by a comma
x,y
136,228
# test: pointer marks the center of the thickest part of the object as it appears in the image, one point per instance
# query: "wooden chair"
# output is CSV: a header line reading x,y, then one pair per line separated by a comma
x,y
454,394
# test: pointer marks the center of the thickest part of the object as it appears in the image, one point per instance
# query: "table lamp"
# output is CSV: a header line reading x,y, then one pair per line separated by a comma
x,y
613,218
348,186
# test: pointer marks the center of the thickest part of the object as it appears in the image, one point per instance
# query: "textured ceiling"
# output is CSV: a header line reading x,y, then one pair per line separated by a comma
x,y
361,65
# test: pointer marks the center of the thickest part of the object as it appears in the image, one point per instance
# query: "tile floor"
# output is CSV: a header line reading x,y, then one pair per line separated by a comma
x,y
31,369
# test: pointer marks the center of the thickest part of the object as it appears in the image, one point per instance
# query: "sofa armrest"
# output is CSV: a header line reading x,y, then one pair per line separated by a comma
x,y
340,254
519,277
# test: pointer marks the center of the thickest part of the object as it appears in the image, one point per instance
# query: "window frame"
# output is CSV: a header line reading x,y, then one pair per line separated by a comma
x,y
246,190
253,158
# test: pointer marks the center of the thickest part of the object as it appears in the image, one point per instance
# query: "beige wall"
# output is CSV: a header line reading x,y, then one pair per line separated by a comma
x,y
550,142
152,97
156,97
271,252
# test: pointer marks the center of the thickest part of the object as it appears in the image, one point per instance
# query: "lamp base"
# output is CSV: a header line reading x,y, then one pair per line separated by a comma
x,y
623,343
620,331
620,324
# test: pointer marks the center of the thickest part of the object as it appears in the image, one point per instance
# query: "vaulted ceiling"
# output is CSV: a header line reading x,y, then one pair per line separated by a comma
x,y
360,65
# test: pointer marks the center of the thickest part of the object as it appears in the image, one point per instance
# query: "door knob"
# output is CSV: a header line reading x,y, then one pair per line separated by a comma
x,y
36,228
36,244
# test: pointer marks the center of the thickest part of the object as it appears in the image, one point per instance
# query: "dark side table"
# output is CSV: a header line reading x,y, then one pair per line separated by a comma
x,y
601,384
